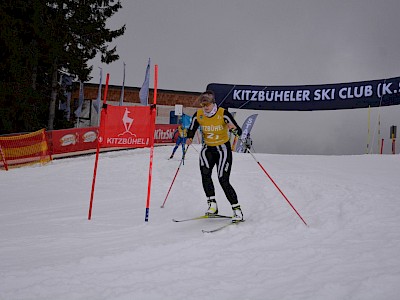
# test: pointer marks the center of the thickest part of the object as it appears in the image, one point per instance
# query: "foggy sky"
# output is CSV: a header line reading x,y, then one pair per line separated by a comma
x,y
260,42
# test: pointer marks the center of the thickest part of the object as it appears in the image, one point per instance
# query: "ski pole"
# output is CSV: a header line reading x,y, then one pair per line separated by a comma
x,y
278,188
194,148
176,173
284,196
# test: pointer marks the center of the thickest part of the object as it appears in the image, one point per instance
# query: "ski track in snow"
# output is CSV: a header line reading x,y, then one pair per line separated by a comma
x,y
49,250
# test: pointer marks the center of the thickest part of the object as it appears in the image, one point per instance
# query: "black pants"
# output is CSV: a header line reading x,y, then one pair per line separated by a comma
x,y
221,156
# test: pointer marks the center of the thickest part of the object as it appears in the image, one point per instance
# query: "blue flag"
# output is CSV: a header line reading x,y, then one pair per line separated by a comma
x,y
66,83
78,111
246,128
97,104
68,109
121,99
144,91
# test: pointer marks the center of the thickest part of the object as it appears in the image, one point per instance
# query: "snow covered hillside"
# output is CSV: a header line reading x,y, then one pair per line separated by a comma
x,y
49,250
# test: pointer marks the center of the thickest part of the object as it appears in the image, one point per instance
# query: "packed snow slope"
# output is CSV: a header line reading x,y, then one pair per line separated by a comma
x,y
350,250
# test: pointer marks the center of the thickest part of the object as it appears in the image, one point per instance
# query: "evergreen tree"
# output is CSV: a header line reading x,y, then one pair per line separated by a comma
x,y
39,38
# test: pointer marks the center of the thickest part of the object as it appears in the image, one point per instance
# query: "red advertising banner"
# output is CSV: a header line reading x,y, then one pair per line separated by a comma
x,y
164,133
125,126
72,140
82,139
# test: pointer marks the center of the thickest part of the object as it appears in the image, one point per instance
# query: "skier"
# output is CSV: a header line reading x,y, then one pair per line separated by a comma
x,y
215,123
181,140
248,143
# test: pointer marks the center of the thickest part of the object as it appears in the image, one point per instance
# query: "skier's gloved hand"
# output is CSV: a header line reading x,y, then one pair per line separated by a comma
x,y
235,132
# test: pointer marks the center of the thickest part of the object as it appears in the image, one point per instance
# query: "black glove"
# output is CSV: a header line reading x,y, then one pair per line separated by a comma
x,y
235,132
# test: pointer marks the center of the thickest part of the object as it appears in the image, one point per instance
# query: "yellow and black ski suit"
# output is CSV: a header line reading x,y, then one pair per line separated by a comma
x,y
216,150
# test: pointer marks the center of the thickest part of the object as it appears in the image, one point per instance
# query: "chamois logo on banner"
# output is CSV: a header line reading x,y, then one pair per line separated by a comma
x,y
126,127
127,121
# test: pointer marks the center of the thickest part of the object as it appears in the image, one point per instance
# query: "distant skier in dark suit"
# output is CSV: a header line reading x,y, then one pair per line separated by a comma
x,y
181,140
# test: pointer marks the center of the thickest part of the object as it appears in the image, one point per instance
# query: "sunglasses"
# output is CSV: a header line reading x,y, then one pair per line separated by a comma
x,y
205,104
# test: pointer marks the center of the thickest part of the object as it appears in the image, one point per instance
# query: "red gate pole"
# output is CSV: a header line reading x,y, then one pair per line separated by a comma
x,y
101,131
153,121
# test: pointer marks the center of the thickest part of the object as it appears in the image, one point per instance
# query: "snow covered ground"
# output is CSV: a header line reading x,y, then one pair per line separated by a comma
x,y
49,250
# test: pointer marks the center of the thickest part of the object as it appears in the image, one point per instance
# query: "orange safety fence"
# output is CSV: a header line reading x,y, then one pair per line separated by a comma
x,y
24,149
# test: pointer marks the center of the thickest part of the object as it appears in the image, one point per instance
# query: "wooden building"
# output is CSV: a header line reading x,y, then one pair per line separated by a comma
x,y
166,101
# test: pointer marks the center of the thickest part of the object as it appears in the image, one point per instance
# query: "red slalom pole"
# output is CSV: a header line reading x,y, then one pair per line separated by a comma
x,y
101,131
278,188
153,122
173,180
